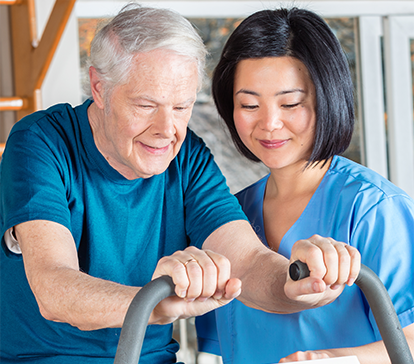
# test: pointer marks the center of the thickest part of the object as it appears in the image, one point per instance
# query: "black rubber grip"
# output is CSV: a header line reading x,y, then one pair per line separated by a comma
x,y
298,270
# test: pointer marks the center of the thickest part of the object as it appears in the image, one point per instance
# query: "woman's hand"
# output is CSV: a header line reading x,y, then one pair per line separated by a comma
x,y
306,355
202,283
332,265
373,353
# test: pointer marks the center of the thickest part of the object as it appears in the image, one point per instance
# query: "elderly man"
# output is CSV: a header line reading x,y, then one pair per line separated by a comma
x,y
99,199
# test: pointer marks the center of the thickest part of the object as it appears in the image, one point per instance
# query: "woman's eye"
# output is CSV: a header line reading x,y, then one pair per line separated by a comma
x,y
290,106
249,107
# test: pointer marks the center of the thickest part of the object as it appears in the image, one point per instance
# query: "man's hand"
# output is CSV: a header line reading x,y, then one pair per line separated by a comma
x,y
332,265
202,283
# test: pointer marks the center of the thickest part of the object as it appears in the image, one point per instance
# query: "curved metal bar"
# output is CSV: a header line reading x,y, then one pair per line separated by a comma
x,y
382,308
136,319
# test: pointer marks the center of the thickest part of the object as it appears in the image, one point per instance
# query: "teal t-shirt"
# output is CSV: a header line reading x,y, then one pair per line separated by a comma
x,y
52,170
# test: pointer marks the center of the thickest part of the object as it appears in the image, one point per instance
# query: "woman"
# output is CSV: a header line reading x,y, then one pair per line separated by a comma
x,y
284,90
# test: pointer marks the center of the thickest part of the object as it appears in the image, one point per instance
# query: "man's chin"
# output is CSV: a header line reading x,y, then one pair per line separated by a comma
x,y
153,171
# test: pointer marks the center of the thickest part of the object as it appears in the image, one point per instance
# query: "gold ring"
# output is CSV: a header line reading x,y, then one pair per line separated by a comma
x,y
189,260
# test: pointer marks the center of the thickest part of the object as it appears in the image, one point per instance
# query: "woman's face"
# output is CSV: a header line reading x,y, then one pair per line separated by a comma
x,y
274,110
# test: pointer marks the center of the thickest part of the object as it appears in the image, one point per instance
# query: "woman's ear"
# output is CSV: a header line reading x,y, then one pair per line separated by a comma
x,y
97,88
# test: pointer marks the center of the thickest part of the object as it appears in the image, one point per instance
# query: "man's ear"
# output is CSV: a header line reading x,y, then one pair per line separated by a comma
x,y
97,88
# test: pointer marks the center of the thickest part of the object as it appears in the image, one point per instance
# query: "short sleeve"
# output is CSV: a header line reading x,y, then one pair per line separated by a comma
x,y
208,201
32,182
384,236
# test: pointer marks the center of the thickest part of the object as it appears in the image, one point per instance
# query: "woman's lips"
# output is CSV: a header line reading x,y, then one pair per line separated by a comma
x,y
273,144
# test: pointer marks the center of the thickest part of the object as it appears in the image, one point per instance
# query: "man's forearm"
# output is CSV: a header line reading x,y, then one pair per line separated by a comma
x,y
83,301
261,270
63,293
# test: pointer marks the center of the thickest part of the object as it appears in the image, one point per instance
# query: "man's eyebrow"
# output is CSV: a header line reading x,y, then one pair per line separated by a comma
x,y
284,92
190,100
142,97
151,99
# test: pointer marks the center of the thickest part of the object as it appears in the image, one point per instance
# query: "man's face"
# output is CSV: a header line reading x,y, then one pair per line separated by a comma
x,y
146,123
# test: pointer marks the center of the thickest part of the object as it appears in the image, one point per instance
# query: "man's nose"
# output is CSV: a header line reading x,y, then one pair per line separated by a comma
x,y
163,123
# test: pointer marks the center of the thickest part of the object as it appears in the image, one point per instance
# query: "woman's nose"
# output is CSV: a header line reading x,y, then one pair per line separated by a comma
x,y
270,119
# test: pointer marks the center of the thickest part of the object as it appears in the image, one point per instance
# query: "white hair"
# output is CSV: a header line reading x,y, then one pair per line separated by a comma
x,y
138,29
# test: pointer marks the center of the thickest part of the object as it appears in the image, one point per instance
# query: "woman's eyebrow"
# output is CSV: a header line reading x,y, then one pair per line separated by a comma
x,y
283,92
248,92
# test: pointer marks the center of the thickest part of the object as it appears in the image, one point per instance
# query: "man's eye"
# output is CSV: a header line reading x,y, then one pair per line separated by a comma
x,y
145,106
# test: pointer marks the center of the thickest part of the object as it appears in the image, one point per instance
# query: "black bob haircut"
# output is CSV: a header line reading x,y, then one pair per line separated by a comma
x,y
305,36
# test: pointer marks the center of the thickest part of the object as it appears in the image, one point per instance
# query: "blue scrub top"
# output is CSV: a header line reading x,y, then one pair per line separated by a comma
x,y
352,204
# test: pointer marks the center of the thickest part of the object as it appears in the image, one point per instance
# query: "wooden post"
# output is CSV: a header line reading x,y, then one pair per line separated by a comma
x,y
32,58
10,2
12,103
